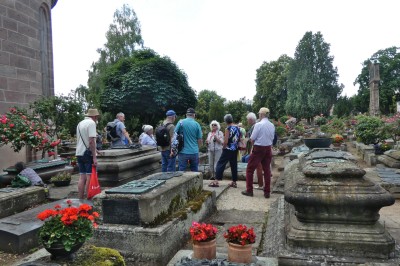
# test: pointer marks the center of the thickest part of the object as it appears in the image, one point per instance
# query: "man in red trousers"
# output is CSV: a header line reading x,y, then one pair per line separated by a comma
x,y
261,138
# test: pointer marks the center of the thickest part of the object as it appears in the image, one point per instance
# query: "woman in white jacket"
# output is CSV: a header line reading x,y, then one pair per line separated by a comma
x,y
214,141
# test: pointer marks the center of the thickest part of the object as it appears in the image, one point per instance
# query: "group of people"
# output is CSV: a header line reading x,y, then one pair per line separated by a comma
x,y
223,147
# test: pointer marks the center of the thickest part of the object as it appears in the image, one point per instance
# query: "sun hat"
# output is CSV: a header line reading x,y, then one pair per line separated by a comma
x,y
263,110
92,112
170,113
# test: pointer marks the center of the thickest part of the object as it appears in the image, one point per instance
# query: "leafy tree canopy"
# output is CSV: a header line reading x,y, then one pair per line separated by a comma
x,y
210,106
145,85
389,87
238,110
343,106
123,38
312,79
271,86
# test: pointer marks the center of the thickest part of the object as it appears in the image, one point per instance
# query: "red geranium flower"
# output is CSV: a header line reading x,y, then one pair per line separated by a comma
x,y
202,232
240,235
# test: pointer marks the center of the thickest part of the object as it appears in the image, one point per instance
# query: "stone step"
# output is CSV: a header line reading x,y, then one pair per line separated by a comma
x,y
19,232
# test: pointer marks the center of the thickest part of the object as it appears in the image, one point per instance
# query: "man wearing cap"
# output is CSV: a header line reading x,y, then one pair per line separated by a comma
x,y
192,139
168,162
261,138
86,149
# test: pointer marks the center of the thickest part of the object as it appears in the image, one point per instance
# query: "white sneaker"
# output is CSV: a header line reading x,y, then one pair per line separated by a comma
x,y
260,188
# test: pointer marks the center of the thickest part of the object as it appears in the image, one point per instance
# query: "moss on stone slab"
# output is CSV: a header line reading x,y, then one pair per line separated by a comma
x,y
99,256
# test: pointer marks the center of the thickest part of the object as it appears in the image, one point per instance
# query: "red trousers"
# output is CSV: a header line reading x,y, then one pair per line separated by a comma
x,y
263,155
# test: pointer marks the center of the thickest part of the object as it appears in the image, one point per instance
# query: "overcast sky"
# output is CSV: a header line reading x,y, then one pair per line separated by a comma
x,y
220,44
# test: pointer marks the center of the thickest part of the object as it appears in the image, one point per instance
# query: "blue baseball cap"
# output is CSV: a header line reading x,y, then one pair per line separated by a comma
x,y
170,113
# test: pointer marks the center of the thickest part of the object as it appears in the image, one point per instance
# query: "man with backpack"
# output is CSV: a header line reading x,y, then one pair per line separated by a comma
x,y
164,135
116,132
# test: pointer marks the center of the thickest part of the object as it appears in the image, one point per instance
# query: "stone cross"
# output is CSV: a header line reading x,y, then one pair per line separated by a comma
x,y
374,79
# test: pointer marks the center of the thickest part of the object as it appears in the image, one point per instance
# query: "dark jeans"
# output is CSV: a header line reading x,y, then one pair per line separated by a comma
x,y
168,164
191,159
263,155
227,156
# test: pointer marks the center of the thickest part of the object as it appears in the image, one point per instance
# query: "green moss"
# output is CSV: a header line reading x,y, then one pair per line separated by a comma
x,y
92,255
263,231
178,208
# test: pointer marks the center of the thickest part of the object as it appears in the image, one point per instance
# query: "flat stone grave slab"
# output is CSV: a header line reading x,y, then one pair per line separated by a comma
x,y
15,200
44,168
19,232
136,187
165,175
125,206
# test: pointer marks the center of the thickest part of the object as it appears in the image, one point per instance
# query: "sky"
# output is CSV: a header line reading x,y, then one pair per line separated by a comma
x,y
220,44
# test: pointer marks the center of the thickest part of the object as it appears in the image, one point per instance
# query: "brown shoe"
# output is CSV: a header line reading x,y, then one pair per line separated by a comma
x,y
246,193
266,195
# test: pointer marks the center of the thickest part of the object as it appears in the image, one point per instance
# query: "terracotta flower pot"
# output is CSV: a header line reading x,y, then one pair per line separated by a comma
x,y
238,253
205,250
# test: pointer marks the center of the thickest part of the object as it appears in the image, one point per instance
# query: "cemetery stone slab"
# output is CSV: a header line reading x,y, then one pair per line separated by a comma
x,y
395,154
14,200
19,232
136,187
389,161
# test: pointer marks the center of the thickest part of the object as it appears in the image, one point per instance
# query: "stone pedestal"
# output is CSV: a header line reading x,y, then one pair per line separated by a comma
x,y
142,226
390,158
333,210
119,166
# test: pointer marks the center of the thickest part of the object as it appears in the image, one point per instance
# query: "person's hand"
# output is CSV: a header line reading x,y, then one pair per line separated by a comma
x,y
94,161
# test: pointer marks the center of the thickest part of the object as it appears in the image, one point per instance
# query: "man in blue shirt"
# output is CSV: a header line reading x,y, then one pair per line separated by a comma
x,y
192,138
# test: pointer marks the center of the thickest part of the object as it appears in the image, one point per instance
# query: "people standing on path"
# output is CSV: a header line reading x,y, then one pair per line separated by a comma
x,y
168,163
192,139
229,152
148,137
262,138
214,141
251,120
86,149
123,135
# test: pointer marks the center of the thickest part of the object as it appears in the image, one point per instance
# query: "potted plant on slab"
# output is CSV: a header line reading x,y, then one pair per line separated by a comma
x,y
204,240
240,240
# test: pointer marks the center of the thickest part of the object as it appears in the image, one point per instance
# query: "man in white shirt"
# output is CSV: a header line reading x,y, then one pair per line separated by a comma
x,y
261,138
86,149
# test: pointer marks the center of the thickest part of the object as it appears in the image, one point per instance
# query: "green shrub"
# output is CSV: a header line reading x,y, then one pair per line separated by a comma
x,y
369,130
283,119
280,131
320,120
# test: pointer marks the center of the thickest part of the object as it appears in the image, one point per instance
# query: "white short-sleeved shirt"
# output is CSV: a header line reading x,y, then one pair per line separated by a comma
x,y
263,133
85,129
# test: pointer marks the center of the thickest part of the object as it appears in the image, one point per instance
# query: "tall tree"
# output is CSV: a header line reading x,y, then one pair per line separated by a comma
x,y
271,86
238,110
343,106
145,85
123,38
312,79
389,87
210,106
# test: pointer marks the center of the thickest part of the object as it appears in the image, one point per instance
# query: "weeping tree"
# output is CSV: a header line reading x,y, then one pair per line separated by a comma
x,y
312,80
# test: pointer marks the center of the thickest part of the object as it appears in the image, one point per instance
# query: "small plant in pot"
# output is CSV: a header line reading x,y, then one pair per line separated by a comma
x,y
240,239
61,179
204,240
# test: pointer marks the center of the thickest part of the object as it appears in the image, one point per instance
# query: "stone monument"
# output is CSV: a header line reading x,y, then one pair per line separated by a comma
x,y
330,213
374,79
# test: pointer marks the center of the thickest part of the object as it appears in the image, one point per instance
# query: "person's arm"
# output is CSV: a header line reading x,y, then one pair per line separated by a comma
x,y
126,134
226,138
92,147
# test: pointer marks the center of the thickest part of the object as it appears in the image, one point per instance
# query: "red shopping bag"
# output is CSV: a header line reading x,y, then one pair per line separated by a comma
x,y
94,186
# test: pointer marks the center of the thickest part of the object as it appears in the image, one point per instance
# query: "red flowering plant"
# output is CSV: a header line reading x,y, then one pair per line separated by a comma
x,y
67,226
202,232
240,235
18,129
337,138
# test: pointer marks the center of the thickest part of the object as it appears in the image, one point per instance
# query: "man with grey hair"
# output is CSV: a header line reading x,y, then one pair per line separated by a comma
x,y
262,139
123,135
251,120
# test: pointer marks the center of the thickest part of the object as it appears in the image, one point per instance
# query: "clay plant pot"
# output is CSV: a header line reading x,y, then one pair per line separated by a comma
x,y
239,254
205,250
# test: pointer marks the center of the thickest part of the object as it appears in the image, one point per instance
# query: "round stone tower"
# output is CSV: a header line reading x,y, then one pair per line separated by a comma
x,y
26,52
26,58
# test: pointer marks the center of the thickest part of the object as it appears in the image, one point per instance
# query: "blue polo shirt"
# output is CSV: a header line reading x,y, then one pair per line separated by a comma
x,y
191,133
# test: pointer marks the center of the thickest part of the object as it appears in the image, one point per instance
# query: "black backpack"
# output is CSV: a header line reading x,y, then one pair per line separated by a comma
x,y
162,135
112,131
